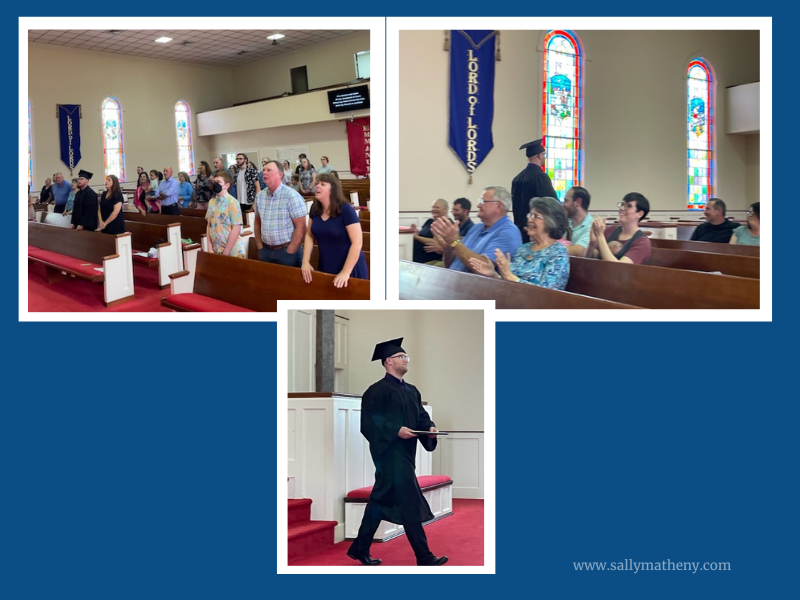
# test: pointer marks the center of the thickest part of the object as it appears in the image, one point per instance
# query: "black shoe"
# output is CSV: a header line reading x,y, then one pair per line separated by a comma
x,y
436,561
365,559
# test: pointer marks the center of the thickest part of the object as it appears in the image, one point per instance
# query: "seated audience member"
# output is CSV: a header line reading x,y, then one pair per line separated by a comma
x,y
71,198
325,168
185,190
139,197
109,214
224,218
460,210
716,228
543,261
750,234
45,195
203,186
576,203
624,242
496,231
427,249
336,230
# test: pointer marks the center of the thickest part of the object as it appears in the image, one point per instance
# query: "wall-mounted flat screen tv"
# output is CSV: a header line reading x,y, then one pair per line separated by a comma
x,y
348,99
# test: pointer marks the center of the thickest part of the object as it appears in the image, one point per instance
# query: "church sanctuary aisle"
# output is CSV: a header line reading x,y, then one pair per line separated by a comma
x,y
459,537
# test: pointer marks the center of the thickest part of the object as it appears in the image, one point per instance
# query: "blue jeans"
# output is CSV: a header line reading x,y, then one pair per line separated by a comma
x,y
281,256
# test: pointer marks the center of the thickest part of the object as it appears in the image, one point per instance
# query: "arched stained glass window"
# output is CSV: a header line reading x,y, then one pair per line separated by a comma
x,y
113,147
183,130
562,109
700,134
30,150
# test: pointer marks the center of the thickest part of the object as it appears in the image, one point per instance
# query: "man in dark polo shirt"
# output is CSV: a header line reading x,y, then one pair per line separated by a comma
x,y
716,228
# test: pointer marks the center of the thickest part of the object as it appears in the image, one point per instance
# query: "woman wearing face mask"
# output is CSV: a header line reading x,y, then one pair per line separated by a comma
x,y
224,218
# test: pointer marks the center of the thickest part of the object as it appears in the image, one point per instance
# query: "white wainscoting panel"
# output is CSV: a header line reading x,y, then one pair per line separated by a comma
x,y
301,330
462,456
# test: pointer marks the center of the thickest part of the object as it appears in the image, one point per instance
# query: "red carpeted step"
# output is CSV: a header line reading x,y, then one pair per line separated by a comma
x,y
309,538
299,511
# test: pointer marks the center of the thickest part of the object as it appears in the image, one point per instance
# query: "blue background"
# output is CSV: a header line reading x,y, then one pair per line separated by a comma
x,y
120,478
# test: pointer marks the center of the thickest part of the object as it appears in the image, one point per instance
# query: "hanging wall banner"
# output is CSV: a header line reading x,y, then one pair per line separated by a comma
x,y
472,63
69,128
358,143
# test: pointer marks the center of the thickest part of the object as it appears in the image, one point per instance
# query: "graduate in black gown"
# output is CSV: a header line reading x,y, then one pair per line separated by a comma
x,y
531,182
84,211
390,410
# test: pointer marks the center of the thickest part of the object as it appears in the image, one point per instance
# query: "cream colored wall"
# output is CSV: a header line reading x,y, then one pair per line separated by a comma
x,y
447,361
753,172
634,116
322,139
147,90
326,64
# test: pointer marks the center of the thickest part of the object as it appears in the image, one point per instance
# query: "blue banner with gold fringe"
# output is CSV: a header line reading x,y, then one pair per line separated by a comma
x,y
69,128
472,64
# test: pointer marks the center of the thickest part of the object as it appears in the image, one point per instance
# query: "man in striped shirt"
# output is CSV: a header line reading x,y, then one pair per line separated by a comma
x,y
280,223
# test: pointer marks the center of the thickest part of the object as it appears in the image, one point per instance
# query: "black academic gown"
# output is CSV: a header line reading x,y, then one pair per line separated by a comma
x,y
531,182
84,211
385,407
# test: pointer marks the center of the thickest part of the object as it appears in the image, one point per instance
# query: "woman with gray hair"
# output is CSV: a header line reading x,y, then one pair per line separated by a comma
x,y
543,261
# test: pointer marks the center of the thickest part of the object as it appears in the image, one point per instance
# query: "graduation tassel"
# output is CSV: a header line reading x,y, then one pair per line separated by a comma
x,y
498,46
446,40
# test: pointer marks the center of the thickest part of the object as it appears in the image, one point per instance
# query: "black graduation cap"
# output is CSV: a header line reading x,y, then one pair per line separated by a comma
x,y
385,349
85,174
533,148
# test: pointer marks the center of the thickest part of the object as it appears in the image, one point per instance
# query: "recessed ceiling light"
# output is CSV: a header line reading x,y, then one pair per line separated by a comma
x,y
163,40
277,36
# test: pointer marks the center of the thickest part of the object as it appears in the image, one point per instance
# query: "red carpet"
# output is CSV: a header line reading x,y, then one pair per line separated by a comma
x,y
78,295
459,537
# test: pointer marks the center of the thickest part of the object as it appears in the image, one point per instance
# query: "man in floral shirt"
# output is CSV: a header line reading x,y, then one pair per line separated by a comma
x,y
247,186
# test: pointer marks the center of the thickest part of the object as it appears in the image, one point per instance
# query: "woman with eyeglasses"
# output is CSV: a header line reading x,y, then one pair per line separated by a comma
x,y
624,242
750,234
543,261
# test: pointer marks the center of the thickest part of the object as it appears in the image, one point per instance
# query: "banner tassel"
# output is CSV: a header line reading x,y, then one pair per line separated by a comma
x,y
470,179
446,40
498,46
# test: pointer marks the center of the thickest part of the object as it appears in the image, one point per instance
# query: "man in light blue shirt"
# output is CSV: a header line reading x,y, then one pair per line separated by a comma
x,y
60,191
576,203
496,231
168,191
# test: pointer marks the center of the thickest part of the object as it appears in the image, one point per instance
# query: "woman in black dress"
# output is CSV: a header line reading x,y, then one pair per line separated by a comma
x,y
109,213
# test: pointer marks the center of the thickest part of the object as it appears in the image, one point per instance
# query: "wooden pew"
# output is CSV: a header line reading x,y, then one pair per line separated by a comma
x,y
227,284
361,186
80,253
426,282
707,247
659,287
193,212
166,239
728,264
315,259
191,227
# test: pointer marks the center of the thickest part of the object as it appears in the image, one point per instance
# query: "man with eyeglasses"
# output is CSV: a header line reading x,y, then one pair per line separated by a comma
x,y
247,185
716,228
391,410
495,232
531,182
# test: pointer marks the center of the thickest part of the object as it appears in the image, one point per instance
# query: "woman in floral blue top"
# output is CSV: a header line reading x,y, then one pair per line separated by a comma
x,y
543,261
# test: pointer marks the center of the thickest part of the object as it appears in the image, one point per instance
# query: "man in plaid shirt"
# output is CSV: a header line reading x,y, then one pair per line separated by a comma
x,y
280,223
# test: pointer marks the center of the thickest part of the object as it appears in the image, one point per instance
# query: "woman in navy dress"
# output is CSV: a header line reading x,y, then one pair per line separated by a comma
x,y
335,228
109,212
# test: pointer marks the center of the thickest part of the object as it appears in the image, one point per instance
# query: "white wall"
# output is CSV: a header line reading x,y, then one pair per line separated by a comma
x,y
326,64
634,118
147,90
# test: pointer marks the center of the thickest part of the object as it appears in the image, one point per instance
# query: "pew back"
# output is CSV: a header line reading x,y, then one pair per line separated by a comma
x,y
191,227
706,247
426,282
258,285
728,264
85,245
659,287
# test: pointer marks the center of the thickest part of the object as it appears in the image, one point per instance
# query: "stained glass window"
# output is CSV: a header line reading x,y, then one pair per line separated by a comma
x,y
183,129
113,149
562,109
30,150
699,134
